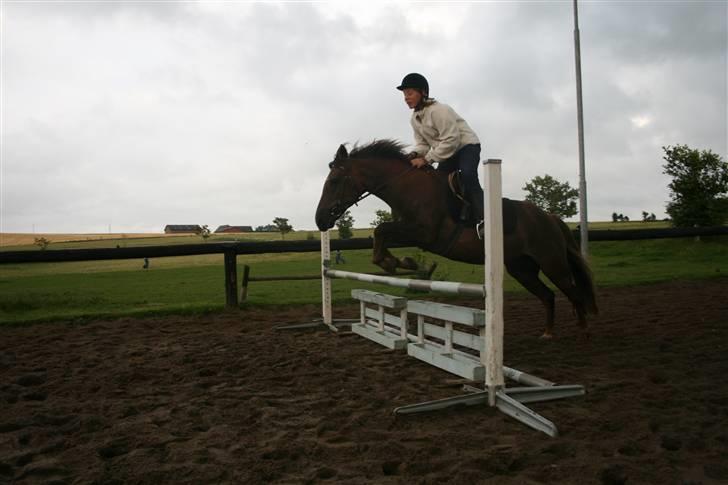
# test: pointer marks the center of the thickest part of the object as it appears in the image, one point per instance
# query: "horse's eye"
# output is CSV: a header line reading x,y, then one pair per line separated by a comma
x,y
331,165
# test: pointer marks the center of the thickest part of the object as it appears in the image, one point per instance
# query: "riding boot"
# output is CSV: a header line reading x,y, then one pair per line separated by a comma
x,y
475,200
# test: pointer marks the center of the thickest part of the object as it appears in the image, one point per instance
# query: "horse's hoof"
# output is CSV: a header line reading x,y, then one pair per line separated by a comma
x,y
388,266
546,336
408,263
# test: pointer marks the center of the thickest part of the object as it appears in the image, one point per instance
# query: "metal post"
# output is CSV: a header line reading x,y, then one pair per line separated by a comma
x,y
583,229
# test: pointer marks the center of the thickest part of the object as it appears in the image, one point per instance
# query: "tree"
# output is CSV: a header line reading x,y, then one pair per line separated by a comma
x,y
699,186
382,216
344,224
42,242
552,196
283,227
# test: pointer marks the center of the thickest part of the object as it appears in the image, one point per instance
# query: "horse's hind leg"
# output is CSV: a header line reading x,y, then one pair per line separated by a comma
x,y
558,271
525,271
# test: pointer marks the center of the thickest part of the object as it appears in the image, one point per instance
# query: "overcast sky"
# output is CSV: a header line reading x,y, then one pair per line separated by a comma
x,y
134,115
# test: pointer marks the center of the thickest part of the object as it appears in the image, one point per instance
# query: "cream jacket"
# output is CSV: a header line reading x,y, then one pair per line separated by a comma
x,y
440,132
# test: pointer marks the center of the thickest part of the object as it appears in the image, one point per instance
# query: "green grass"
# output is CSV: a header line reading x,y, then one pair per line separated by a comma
x,y
602,225
50,291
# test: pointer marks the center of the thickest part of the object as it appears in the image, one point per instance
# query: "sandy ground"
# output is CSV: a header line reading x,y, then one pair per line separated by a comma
x,y
226,398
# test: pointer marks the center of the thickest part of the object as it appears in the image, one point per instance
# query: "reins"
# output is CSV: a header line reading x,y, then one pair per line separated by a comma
x,y
336,208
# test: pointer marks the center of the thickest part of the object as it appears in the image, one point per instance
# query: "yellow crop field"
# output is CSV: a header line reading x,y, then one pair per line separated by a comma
x,y
22,239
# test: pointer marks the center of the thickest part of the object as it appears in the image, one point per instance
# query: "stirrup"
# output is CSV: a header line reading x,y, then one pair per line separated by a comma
x,y
479,227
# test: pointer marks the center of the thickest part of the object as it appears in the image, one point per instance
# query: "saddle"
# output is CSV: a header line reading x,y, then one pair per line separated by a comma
x,y
459,207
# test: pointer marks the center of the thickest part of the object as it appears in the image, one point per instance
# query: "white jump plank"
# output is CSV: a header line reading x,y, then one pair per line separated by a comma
x,y
389,301
462,339
387,339
453,363
389,319
472,317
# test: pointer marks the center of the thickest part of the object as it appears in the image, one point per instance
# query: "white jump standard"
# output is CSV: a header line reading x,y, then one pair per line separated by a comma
x,y
478,357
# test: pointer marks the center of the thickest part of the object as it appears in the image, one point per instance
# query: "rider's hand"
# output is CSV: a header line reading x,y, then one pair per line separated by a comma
x,y
419,162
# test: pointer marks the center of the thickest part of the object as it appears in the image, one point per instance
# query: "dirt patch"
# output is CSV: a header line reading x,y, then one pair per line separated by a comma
x,y
226,398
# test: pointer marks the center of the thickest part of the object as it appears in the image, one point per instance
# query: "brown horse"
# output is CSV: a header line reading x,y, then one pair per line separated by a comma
x,y
533,241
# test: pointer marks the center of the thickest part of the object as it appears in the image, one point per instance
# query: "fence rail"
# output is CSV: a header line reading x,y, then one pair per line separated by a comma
x,y
309,246
232,249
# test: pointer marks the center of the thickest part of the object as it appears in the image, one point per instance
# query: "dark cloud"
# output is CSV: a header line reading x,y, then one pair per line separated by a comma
x,y
654,31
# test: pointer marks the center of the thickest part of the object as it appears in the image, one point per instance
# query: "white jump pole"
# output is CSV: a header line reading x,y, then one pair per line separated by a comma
x,y
325,281
492,358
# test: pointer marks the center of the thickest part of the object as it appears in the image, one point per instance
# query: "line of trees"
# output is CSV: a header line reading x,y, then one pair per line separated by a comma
x,y
698,190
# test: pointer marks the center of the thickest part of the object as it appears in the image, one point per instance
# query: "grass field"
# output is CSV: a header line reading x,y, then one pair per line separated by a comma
x,y
47,291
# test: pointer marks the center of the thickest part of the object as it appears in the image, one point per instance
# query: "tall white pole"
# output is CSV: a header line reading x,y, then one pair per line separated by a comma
x,y
325,281
583,229
492,355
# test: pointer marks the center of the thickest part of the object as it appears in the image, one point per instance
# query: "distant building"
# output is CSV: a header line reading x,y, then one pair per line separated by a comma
x,y
226,228
182,229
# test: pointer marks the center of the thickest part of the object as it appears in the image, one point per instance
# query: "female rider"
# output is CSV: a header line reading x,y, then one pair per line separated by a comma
x,y
443,137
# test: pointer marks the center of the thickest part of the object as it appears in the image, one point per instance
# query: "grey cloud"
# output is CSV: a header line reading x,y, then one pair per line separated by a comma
x,y
652,31
186,114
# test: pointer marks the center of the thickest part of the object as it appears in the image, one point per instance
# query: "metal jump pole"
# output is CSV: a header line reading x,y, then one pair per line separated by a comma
x,y
583,224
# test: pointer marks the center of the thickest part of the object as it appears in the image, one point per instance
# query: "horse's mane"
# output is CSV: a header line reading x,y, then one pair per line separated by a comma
x,y
380,149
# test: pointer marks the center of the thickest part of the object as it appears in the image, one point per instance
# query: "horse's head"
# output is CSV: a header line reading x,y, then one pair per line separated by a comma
x,y
341,190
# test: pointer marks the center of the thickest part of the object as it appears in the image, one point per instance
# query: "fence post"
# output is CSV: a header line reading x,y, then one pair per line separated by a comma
x,y
244,283
231,279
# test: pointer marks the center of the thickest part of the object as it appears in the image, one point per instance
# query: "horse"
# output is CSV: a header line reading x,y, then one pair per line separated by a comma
x,y
533,241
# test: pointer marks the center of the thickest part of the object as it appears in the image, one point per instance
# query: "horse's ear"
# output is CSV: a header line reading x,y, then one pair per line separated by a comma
x,y
341,153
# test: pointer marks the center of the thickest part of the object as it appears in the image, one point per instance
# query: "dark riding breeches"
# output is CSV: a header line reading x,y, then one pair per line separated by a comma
x,y
467,161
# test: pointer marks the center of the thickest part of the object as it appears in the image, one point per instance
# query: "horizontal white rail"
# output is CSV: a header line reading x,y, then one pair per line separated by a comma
x,y
451,287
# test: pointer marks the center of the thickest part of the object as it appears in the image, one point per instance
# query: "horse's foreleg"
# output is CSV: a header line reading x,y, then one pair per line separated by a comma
x,y
388,232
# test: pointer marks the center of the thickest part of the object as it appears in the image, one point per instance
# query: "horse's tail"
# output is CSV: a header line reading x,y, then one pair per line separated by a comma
x,y
580,270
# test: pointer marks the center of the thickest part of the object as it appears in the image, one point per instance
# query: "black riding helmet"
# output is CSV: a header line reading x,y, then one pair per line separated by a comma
x,y
415,81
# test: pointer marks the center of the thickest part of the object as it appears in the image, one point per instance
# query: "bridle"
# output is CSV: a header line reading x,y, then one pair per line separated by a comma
x,y
338,208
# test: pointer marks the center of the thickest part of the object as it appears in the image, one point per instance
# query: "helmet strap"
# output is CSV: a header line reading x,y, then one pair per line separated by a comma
x,y
423,100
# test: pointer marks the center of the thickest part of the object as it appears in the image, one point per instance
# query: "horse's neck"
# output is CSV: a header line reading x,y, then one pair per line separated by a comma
x,y
402,191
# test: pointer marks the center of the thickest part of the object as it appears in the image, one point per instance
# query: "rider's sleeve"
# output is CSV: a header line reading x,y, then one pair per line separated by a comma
x,y
444,120
421,146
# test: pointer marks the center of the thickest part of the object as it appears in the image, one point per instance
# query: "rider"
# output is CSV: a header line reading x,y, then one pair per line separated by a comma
x,y
443,137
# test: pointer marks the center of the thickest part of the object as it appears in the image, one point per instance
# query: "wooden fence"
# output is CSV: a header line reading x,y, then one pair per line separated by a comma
x,y
232,249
